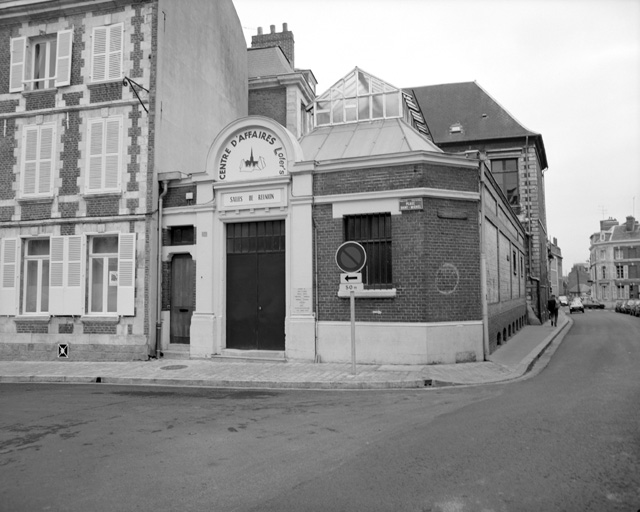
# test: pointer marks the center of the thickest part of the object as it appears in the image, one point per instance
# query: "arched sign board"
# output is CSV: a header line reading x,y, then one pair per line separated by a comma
x,y
351,257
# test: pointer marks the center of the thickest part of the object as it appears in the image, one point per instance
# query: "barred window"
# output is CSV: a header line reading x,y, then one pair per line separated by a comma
x,y
373,232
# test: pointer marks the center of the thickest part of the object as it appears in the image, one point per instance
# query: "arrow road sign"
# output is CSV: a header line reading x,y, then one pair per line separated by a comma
x,y
351,257
353,278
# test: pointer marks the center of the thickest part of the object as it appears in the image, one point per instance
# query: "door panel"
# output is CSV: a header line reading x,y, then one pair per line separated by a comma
x,y
271,301
182,293
242,301
256,285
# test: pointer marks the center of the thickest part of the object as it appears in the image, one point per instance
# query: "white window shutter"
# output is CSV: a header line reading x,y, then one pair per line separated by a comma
x,y
99,55
116,38
95,139
63,64
112,153
126,274
66,290
45,163
9,266
18,62
30,161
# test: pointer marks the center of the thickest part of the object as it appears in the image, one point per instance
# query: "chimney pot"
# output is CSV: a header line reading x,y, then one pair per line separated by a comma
x,y
259,31
285,28
273,29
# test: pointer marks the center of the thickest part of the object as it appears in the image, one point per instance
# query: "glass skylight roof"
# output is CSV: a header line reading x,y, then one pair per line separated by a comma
x,y
358,97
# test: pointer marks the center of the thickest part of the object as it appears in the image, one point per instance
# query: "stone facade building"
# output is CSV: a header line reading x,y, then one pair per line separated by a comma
x,y
614,261
95,100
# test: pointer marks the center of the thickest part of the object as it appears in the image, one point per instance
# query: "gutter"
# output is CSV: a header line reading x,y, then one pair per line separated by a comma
x,y
165,189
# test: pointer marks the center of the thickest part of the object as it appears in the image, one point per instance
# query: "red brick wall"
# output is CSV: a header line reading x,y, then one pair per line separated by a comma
x,y
436,255
271,103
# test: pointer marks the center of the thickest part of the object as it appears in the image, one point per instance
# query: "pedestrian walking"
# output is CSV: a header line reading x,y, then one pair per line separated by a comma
x,y
552,306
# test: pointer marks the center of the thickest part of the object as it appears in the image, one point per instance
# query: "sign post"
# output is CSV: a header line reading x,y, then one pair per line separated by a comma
x,y
350,258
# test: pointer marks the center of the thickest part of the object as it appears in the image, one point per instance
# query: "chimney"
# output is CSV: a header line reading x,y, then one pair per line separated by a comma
x,y
631,222
606,225
282,39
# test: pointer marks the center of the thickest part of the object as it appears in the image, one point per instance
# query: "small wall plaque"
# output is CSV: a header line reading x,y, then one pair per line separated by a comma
x,y
414,203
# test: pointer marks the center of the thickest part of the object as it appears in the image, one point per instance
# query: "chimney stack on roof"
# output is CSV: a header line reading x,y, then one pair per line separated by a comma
x,y
631,222
282,39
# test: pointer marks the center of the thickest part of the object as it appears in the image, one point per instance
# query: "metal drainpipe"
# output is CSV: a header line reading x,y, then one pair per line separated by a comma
x,y
159,285
316,356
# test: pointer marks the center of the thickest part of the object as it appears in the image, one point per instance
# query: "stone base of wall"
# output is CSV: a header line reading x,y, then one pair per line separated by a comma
x,y
44,347
505,321
401,343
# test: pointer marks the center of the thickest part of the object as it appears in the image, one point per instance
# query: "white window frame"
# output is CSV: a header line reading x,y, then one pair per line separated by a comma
x,y
40,262
23,62
107,50
125,275
104,149
38,164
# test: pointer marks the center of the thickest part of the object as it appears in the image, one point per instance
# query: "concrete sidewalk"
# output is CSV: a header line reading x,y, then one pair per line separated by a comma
x,y
510,361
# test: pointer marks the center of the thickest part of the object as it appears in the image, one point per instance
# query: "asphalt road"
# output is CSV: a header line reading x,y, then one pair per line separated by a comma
x,y
565,439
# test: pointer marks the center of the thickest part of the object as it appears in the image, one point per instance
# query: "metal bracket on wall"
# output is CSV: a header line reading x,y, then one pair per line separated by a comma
x,y
127,81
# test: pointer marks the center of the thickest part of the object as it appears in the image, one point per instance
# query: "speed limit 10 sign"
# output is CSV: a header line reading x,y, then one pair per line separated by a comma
x,y
351,257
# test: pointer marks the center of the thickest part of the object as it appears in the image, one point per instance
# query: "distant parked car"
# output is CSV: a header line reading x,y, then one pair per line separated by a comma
x,y
636,309
628,306
618,307
592,304
576,305
563,300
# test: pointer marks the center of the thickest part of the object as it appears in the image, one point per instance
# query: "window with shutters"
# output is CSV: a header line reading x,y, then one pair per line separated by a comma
x,y
103,274
38,145
106,53
104,148
41,62
373,232
111,279
35,292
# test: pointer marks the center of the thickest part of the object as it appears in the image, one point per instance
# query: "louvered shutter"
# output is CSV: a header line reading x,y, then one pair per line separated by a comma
x,y
63,64
18,62
115,52
9,267
112,153
66,290
30,166
96,128
99,55
45,160
126,274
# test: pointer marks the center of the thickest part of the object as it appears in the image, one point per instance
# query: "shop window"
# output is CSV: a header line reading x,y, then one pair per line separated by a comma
x,y
38,149
181,235
373,232
36,277
41,62
505,173
106,53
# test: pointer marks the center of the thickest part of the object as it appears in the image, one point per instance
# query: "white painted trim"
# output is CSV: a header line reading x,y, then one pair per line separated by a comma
x,y
397,194
407,158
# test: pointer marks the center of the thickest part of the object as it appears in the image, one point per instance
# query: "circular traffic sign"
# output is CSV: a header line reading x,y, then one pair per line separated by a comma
x,y
351,257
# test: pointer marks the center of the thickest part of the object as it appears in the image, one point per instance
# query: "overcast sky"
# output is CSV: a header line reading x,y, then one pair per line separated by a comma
x,y
567,69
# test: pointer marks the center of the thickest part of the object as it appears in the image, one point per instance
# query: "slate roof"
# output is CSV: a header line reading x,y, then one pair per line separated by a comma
x,y
479,116
620,233
267,62
366,138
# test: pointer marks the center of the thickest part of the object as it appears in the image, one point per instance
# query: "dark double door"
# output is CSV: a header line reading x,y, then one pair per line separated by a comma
x,y
256,285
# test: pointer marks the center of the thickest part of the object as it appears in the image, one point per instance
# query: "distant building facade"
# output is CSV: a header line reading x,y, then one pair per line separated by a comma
x,y
614,261
555,268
